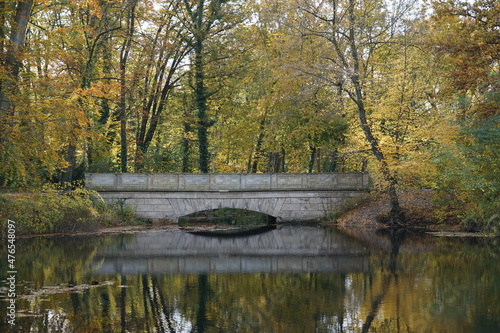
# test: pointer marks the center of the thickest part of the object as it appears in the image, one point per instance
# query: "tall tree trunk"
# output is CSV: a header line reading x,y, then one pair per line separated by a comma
x,y
203,15
12,62
396,217
312,158
186,149
162,67
258,146
354,42
258,152
318,160
123,91
315,158
200,96
123,119
67,174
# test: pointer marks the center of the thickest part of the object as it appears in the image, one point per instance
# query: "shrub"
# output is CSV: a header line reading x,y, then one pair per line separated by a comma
x,y
55,209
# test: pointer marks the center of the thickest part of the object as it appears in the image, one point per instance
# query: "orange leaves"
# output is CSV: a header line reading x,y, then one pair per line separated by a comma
x,y
466,39
100,90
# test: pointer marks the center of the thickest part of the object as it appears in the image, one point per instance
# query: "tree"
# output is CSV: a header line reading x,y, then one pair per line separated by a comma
x,y
165,50
204,20
268,108
47,121
464,39
355,31
84,29
12,47
124,54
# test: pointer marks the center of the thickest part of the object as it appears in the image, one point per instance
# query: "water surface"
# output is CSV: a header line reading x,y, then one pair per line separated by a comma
x,y
292,279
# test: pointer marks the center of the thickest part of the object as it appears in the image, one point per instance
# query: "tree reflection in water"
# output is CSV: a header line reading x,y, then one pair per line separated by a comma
x,y
396,237
412,283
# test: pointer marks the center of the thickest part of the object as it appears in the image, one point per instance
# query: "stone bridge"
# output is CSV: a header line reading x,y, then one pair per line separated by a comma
x,y
292,249
288,197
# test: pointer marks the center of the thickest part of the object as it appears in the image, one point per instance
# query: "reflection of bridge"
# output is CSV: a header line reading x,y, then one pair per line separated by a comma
x,y
286,249
287,197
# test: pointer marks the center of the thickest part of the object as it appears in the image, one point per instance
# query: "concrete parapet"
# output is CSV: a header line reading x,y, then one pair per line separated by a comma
x,y
227,182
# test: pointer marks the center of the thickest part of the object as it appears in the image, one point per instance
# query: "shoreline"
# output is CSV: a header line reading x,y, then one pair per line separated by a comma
x,y
373,226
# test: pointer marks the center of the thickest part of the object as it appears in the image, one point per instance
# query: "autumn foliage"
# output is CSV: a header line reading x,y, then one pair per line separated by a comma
x,y
409,93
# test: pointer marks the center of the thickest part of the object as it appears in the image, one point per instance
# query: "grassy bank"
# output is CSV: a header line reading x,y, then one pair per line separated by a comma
x,y
54,210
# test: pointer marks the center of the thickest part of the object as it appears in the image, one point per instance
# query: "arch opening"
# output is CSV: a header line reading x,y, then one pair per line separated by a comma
x,y
230,218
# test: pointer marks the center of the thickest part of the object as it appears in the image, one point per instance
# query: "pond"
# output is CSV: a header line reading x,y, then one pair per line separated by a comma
x,y
288,279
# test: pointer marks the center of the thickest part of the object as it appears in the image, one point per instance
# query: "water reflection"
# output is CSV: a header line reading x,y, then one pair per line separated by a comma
x,y
283,250
279,281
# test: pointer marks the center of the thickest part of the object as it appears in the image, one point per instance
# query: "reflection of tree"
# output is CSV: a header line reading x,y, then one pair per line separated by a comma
x,y
166,309
452,286
75,298
145,298
202,303
105,312
123,304
396,237
263,302
155,299
341,313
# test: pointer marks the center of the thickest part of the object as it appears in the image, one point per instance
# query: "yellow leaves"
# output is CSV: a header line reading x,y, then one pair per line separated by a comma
x,y
95,6
100,90
485,109
466,41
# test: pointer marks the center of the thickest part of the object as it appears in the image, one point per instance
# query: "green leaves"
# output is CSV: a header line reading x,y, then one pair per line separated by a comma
x,y
470,170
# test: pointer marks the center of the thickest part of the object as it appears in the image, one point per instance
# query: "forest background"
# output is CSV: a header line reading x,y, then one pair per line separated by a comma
x,y
407,90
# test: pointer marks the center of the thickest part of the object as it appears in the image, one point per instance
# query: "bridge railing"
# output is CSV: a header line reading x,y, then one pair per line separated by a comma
x,y
227,182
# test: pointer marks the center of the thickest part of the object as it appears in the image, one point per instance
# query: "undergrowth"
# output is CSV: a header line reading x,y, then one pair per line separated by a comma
x,y
61,209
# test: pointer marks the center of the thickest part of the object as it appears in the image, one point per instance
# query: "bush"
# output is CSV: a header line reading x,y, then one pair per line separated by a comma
x,y
115,214
56,210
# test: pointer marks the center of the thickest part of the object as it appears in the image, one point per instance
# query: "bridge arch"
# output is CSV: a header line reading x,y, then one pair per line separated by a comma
x,y
195,205
230,216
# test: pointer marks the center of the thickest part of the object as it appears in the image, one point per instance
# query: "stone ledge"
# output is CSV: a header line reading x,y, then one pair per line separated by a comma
x,y
227,182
